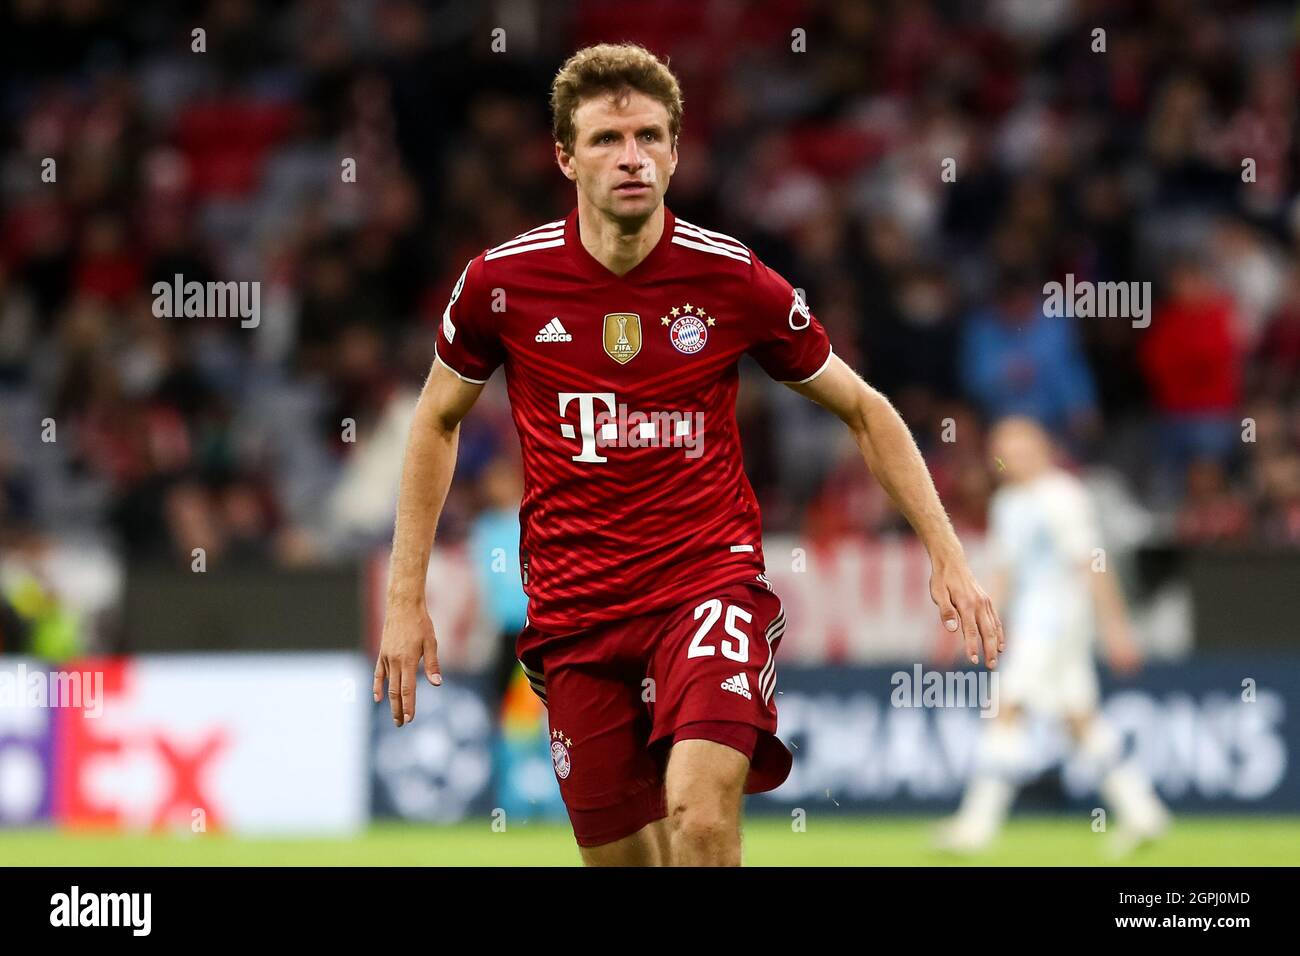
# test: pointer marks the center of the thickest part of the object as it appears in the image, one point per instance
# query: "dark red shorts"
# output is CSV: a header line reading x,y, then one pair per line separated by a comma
x,y
619,694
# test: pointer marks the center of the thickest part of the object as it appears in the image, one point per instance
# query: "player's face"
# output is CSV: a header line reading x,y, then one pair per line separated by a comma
x,y
1019,450
623,155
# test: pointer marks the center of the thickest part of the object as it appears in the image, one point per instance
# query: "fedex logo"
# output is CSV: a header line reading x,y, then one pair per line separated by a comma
x,y
603,422
88,765
239,742
136,768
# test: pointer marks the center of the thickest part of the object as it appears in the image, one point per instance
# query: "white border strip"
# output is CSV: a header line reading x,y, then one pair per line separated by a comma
x,y
805,381
768,674
463,378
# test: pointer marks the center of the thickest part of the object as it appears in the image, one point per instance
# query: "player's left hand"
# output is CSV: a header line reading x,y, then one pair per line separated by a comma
x,y
963,606
1123,655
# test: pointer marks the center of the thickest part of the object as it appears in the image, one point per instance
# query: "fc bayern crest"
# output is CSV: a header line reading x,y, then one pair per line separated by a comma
x,y
560,757
688,334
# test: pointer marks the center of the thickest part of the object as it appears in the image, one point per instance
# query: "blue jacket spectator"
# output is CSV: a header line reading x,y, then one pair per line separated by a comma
x,y
1017,361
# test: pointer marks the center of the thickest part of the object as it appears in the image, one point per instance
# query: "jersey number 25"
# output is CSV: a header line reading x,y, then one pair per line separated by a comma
x,y
711,610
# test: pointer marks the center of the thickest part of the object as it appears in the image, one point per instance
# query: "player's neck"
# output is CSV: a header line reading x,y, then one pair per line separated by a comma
x,y
616,246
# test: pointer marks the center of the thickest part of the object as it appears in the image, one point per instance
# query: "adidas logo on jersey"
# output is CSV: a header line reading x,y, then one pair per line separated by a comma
x,y
553,331
738,685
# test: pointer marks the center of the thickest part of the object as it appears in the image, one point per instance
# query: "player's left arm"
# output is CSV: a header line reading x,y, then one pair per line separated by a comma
x,y
1122,652
1075,520
895,461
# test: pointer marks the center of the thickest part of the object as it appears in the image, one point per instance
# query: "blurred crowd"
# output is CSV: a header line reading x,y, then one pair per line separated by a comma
x,y
921,168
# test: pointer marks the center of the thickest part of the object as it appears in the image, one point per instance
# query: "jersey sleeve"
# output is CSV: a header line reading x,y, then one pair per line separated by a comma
x,y
468,341
789,342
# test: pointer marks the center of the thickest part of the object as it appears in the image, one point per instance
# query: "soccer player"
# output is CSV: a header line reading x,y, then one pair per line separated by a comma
x,y
1043,535
651,628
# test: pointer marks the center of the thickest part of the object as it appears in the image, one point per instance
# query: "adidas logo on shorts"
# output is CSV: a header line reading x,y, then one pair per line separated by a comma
x,y
738,685
553,331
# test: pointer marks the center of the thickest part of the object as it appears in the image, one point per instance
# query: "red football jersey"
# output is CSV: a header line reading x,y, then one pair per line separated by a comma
x,y
623,390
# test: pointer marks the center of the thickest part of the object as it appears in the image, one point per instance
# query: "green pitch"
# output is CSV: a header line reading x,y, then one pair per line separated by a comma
x,y
1204,841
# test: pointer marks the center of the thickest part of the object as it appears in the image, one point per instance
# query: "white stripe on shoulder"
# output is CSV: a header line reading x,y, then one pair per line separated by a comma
x,y
530,237
527,247
558,224
701,237
548,230
690,227
717,250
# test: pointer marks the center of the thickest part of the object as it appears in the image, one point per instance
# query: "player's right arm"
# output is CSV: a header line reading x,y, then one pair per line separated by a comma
x,y
426,476
467,352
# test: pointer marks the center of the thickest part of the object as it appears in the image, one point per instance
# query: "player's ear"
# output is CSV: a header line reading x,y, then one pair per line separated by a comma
x,y
672,166
565,161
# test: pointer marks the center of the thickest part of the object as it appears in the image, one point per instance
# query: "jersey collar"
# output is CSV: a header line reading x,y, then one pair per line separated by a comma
x,y
590,266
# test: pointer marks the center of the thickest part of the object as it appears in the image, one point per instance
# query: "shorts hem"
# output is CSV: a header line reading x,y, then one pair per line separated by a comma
x,y
769,762
598,827
736,734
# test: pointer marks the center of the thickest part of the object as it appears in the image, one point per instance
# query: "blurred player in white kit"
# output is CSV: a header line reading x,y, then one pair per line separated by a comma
x,y
1043,537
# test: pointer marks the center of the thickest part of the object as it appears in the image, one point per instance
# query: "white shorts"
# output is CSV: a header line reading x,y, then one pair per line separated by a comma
x,y
1046,675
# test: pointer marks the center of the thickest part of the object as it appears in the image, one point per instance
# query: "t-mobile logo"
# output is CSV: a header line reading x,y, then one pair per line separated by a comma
x,y
603,422
586,420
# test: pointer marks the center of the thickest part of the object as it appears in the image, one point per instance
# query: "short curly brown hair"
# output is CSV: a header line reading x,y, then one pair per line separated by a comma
x,y
611,68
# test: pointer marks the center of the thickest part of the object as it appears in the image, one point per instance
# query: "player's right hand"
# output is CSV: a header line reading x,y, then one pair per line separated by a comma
x,y
964,607
408,636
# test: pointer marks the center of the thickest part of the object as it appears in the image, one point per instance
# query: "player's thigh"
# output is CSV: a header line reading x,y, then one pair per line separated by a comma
x,y
647,847
705,780
1078,691
612,785
1026,676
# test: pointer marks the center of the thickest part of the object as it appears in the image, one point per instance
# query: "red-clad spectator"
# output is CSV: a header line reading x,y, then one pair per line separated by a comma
x,y
225,140
1192,361
1190,356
